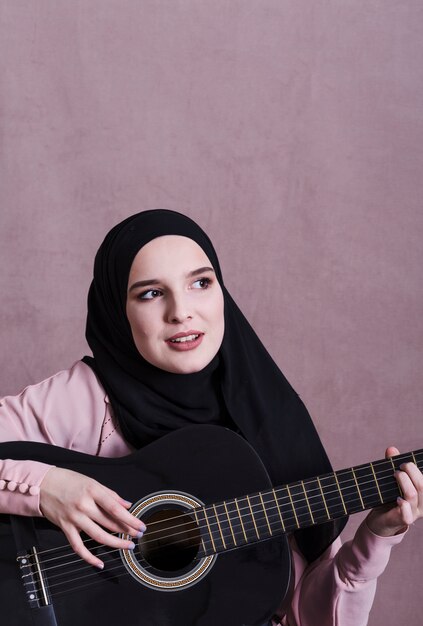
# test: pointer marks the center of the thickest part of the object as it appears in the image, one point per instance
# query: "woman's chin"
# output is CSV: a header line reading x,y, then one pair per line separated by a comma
x,y
184,363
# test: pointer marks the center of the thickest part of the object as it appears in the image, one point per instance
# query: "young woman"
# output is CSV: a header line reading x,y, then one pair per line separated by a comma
x,y
172,349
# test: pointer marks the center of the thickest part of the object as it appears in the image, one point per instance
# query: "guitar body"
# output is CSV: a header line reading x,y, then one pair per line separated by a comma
x,y
210,464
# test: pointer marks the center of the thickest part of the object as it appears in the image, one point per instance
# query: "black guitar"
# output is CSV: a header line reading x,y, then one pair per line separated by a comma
x,y
211,554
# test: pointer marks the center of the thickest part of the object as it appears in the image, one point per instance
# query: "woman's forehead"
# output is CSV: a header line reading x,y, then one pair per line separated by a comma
x,y
169,253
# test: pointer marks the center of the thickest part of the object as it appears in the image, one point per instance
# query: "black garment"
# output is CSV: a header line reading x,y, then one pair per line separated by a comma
x,y
242,385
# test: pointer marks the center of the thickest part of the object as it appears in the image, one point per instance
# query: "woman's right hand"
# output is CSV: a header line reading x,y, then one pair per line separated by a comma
x,y
77,503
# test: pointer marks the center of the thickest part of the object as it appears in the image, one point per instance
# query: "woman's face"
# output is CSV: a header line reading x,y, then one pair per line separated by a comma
x,y
175,305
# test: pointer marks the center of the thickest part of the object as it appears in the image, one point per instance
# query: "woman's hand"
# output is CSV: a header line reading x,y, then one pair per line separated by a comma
x,y
388,521
77,503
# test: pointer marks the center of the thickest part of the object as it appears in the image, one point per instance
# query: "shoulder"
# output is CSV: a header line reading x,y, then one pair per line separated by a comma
x,y
72,394
78,379
62,409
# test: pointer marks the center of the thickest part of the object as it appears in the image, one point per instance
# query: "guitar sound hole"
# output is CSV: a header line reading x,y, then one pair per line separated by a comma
x,y
172,540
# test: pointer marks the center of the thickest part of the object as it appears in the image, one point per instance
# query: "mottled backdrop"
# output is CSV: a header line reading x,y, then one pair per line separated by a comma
x,y
292,131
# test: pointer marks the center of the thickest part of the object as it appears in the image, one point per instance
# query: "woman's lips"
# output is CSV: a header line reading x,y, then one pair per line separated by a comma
x,y
185,341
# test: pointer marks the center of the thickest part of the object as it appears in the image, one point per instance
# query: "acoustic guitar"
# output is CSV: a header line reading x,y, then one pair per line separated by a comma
x,y
212,555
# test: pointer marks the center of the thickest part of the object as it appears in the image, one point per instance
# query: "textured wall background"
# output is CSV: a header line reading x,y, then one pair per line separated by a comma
x,y
292,131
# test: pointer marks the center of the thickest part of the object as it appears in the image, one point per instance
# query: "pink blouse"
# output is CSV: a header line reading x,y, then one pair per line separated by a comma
x,y
71,409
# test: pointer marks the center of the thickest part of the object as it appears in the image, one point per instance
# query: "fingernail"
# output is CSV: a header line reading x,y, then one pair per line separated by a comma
x,y
100,565
139,534
128,503
131,545
143,527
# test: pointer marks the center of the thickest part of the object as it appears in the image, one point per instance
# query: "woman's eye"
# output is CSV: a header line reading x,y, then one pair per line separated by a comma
x,y
202,283
150,294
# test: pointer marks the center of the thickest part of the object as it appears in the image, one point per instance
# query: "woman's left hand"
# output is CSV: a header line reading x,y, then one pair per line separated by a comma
x,y
389,521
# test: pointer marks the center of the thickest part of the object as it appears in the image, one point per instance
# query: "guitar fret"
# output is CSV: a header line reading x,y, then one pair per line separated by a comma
x,y
308,503
302,509
340,493
287,510
395,469
268,514
351,494
368,491
202,541
408,457
414,459
386,479
265,514
292,505
205,531
237,526
250,512
313,503
377,484
210,532
323,496
261,520
229,521
240,519
216,528
333,496
358,488
263,523
223,538
220,528
252,515
278,509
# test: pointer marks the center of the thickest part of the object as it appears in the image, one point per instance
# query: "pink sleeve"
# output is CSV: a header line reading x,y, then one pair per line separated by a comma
x,y
67,410
20,486
339,588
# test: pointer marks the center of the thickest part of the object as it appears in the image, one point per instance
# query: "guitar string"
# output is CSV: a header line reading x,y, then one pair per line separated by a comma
x,y
96,573
299,513
213,523
99,578
242,509
259,509
281,502
396,491
236,526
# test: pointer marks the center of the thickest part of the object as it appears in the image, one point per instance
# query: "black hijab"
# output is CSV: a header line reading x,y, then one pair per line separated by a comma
x,y
242,387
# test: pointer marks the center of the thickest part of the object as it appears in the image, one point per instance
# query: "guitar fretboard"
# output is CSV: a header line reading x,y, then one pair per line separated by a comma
x,y
259,516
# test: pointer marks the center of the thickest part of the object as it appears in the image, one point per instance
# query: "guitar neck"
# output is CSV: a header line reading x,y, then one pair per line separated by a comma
x,y
259,516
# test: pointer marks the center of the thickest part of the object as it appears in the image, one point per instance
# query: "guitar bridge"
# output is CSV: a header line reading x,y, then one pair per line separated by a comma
x,y
33,579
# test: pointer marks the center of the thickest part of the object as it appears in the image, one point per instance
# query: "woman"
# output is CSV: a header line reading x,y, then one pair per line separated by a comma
x,y
172,349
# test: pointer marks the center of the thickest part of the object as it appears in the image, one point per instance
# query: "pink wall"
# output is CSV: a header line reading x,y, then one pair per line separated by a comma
x,y
292,131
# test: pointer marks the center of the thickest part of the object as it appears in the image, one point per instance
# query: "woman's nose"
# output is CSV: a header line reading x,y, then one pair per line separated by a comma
x,y
178,310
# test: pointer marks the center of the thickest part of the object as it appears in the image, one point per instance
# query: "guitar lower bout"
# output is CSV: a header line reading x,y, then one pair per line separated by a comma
x,y
178,552
171,555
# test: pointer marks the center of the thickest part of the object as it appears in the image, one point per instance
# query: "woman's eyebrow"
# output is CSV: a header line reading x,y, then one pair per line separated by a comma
x,y
200,270
156,281
144,283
